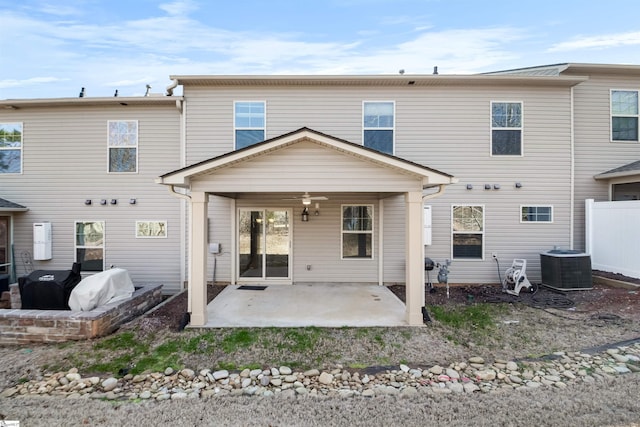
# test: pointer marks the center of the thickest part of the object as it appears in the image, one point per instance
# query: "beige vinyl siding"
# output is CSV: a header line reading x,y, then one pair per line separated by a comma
x,y
65,163
394,239
308,167
594,153
447,128
221,215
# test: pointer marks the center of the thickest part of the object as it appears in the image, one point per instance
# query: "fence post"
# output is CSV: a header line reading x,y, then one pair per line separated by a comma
x,y
588,225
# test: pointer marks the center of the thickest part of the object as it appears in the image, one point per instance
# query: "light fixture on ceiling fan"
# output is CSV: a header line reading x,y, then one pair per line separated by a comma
x,y
306,198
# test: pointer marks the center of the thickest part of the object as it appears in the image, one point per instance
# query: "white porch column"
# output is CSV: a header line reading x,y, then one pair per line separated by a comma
x,y
198,259
414,268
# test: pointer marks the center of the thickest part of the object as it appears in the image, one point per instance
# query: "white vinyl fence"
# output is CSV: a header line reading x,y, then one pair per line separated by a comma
x,y
613,236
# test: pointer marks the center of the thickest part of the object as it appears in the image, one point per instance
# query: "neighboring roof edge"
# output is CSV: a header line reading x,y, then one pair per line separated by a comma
x,y
264,146
537,70
375,80
15,104
569,68
629,169
593,68
8,206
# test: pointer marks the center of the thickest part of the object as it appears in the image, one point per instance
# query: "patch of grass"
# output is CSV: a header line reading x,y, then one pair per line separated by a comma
x,y
475,316
114,365
358,365
238,339
378,338
301,340
229,366
156,363
362,332
121,341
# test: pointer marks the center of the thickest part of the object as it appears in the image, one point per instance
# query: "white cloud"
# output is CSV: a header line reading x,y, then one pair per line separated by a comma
x,y
598,42
179,7
7,83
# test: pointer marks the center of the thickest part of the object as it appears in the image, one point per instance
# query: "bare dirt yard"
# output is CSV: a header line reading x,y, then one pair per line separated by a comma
x,y
471,322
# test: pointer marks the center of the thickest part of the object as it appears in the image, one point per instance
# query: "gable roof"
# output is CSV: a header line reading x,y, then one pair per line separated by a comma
x,y
182,177
7,206
629,169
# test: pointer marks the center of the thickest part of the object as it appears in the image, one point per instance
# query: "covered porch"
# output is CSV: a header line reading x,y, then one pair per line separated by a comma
x,y
275,182
311,304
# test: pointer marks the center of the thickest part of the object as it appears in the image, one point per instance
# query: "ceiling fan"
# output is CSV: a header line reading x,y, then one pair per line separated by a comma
x,y
306,198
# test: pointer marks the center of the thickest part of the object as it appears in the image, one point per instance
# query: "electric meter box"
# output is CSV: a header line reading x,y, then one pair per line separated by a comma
x,y
41,241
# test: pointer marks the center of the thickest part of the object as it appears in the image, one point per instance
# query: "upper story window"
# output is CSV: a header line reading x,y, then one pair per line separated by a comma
x,y
536,214
378,125
10,147
506,128
123,145
357,231
249,123
467,228
624,115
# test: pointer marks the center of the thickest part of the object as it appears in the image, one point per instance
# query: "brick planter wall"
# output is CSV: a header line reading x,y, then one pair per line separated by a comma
x,y
25,326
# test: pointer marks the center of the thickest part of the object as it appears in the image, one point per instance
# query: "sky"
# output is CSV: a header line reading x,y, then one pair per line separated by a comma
x,y
52,48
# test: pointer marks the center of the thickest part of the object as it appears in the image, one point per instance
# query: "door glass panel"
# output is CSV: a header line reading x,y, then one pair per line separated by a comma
x,y
277,243
251,242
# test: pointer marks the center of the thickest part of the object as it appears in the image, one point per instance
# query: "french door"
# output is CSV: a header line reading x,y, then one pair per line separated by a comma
x,y
264,245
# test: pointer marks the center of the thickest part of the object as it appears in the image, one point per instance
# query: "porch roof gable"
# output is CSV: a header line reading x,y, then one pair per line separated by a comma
x,y
183,177
7,206
628,170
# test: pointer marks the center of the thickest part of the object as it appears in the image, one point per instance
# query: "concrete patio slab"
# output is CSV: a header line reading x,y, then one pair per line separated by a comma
x,y
318,304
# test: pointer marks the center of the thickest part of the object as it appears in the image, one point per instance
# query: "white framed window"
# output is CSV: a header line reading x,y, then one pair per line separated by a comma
x,y
467,232
357,231
624,116
506,128
11,147
378,125
123,145
249,120
89,245
536,213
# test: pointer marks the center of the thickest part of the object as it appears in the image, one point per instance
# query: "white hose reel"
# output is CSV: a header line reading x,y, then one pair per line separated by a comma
x,y
515,278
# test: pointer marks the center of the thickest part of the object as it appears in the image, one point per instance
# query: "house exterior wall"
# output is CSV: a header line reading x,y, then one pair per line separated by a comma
x,y
443,126
447,128
594,151
65,161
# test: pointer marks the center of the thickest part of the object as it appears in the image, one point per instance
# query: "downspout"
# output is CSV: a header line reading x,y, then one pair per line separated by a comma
x,y
441,188
572,178
174,193
171,87
183,246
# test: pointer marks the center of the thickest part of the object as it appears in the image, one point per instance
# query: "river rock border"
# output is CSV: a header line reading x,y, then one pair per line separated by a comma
x,y
473,376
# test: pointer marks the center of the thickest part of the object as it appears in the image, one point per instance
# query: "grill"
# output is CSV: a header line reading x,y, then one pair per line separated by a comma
x,y
48,289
